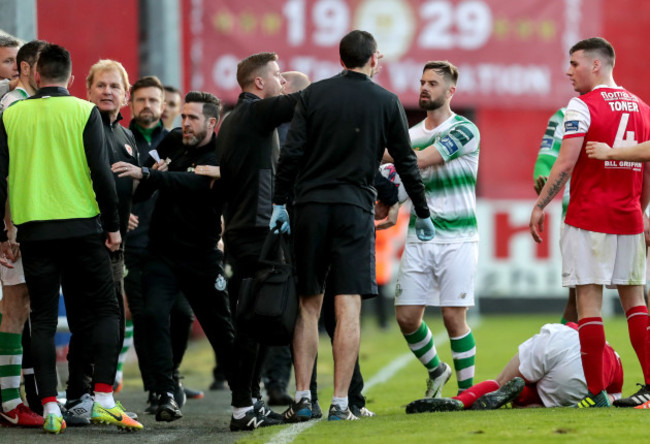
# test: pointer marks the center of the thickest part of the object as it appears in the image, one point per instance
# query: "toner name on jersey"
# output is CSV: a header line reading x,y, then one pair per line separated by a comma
x,y
605,195
451,187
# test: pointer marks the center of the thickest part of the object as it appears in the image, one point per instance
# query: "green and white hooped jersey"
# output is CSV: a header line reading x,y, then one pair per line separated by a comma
x,y
550,149
451,187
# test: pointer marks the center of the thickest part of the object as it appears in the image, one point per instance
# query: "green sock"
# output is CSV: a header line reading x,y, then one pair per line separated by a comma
x,y
563,321
11,359
463,350
421,344
128,341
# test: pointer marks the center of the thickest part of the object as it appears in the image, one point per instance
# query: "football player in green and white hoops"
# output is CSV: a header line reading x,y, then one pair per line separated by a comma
x,y
441,272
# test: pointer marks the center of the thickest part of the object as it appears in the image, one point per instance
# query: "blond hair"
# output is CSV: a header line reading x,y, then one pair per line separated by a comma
x,y
107,65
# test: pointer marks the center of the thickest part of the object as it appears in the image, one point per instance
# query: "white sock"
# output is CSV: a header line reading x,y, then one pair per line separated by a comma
x,y
240,412
342,403
51,408
302,394
106,400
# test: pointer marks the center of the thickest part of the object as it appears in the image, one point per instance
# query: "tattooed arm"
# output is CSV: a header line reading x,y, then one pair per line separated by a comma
x,y
560,173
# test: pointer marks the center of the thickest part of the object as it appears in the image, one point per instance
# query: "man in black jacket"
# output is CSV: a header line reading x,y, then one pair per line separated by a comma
x,y
107,86
183,235
248,147
147,104
337,137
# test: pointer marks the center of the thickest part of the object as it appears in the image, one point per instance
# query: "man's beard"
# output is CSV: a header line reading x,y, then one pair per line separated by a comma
x,y
432,105
146,118
196,138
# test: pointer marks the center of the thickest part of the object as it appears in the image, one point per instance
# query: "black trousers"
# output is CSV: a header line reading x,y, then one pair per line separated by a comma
x,y
80,359
181,317
200,278
81,266
243,251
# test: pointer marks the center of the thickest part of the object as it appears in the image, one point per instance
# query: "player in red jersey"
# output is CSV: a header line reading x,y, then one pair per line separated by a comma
x,y
546,371
602,239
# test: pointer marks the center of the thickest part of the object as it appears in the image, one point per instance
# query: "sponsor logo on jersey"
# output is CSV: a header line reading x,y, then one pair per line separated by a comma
x,y
547,144
449,144
571,125
464,135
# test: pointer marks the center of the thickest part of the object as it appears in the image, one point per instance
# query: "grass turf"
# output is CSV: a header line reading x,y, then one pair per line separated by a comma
x,y
497,339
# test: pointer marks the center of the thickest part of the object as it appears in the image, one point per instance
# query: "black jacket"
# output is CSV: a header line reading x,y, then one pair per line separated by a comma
x,y
121,148
246,145
185,218
337,138
138,239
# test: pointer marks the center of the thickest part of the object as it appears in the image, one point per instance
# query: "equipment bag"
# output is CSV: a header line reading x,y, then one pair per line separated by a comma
x,y
268,304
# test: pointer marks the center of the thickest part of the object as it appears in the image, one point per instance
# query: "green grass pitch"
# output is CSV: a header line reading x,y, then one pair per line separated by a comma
x,y
497,338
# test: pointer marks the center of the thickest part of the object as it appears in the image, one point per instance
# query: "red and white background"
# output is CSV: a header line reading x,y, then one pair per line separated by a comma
x,y
508,51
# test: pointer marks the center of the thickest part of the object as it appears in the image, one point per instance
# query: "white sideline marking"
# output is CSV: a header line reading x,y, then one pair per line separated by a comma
x,y
287,435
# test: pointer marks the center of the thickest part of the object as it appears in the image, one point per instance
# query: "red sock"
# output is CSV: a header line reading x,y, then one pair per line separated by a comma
x,y
48,399
103,388
647,356
476,391
637,324
592,344
528,396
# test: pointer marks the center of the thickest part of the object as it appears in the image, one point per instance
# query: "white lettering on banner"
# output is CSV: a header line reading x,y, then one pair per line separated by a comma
x,y
522,272
224,71
514,80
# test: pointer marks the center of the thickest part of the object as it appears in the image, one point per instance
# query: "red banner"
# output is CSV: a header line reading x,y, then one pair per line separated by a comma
x,y
510,53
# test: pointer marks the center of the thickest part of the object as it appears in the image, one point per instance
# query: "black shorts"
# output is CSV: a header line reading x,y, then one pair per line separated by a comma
x,y
339,239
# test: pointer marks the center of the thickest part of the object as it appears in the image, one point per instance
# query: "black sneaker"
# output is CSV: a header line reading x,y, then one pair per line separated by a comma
x,y
316,411
434,405
263,410
152,404
167,409
498,398
78,411
73,420
278,396
361,411
640,397
251,421
298,411
179,393
337,414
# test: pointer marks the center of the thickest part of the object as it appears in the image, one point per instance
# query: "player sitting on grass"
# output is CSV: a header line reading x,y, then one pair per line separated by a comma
x,y
546,371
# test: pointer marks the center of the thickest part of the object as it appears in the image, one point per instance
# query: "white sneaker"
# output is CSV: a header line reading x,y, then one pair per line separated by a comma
x,y
365,413
435,383
82,407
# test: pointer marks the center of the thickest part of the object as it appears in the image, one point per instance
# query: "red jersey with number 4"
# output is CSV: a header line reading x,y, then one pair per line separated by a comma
x,y
605,195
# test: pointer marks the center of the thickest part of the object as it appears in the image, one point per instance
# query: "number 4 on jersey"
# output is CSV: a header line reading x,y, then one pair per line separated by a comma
x,y
623,137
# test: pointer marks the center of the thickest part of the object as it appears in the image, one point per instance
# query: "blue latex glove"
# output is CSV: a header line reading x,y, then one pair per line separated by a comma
x,y
424,229
280,217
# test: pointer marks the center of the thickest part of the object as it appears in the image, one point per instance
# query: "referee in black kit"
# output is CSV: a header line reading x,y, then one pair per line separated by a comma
x,y
182,253
338,135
